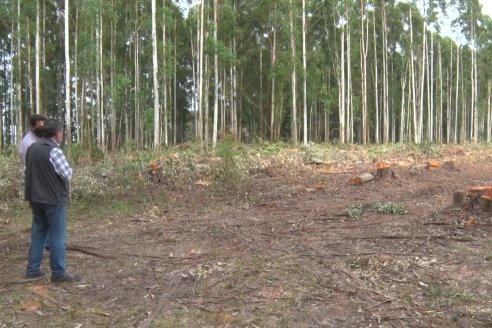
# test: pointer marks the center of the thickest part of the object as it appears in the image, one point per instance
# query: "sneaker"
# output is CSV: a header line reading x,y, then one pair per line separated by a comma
x,y
66,277
39,274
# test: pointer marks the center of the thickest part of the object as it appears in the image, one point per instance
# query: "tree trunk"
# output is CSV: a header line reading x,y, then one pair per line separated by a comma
x,y
376,82
304,72
293,77
37,57
155,71
415,133
489,110
385,77
216,80
363,60
30,105
273,64
18,84
111,81
200,75
68,111
77,113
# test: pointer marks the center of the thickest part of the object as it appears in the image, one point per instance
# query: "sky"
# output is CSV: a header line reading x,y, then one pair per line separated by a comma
x,y
486,7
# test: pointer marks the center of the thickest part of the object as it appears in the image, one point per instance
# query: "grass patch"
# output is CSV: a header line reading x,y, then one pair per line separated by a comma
x,y
389,208
440,295
355,211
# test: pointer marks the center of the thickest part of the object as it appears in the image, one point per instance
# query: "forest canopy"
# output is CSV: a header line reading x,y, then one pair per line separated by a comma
x,y
149,74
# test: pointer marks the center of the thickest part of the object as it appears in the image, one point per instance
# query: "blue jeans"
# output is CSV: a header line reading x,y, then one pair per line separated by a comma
x,y
47,220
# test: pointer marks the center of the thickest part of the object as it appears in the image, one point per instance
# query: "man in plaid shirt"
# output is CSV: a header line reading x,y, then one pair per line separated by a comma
x,y
46,189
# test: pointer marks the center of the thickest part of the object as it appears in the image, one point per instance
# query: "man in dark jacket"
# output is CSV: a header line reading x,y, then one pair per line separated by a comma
x,y
46,189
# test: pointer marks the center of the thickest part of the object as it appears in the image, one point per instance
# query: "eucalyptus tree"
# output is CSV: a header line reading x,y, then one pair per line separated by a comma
x,y
293,74
485,53
304,74
37,56
68,112
469,21
364,47
155,72
216,79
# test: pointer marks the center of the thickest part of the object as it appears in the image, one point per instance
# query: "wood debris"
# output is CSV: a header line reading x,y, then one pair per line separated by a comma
x,y
432,164
361,178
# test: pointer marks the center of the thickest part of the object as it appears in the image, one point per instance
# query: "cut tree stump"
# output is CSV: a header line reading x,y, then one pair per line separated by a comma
x,y
459,199
486,203
155,172
482,194
383,170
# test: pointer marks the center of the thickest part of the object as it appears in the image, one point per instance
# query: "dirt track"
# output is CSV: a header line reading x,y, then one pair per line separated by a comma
x,y
278,251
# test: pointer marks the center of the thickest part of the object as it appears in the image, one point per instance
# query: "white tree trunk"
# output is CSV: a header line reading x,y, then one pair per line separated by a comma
x,y
68,112
489,110
155,71
363,60
293,77
376,79
18,84
457,91
415,133
304,71
37,59
385,79
273,63
216,80
200,75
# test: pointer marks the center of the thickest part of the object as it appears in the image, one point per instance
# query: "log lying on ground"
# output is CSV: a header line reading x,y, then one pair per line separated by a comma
x,y
362,178
431,164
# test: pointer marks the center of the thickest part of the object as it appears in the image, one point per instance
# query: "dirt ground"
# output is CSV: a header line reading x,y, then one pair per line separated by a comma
x,y
279,250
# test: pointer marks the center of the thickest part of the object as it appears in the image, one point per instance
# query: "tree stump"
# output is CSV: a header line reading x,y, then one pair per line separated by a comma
x,y
155,172
486,203
385,172
459,199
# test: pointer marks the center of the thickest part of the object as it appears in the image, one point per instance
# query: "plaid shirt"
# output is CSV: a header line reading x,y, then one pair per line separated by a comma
x,y
60,164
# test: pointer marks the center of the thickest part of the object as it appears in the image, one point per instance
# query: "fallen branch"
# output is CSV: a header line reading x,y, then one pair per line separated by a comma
x,y
23,281
4,263
441,223
410,237
164,301
84,250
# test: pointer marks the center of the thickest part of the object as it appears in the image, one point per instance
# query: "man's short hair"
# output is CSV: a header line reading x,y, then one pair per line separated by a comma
x,y
51,127
35,118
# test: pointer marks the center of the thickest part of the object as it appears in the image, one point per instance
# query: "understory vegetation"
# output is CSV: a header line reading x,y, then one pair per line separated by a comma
x,y
124,178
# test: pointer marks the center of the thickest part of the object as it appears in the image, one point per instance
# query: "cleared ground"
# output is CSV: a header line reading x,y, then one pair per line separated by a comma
x,y
283,248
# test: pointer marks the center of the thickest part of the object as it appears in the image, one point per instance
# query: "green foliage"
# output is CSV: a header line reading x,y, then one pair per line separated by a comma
x,y
10,184
227,170
97,153
181,169
440,294
355,211
268,148
389,208
428,148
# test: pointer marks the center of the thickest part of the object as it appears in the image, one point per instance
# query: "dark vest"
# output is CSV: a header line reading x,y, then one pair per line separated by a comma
x,y
43,185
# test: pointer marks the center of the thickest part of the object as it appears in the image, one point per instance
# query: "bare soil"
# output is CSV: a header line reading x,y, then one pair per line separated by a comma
x,y
281,249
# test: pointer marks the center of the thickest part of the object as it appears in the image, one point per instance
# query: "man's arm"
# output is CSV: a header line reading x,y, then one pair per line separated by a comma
x,y
60,164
